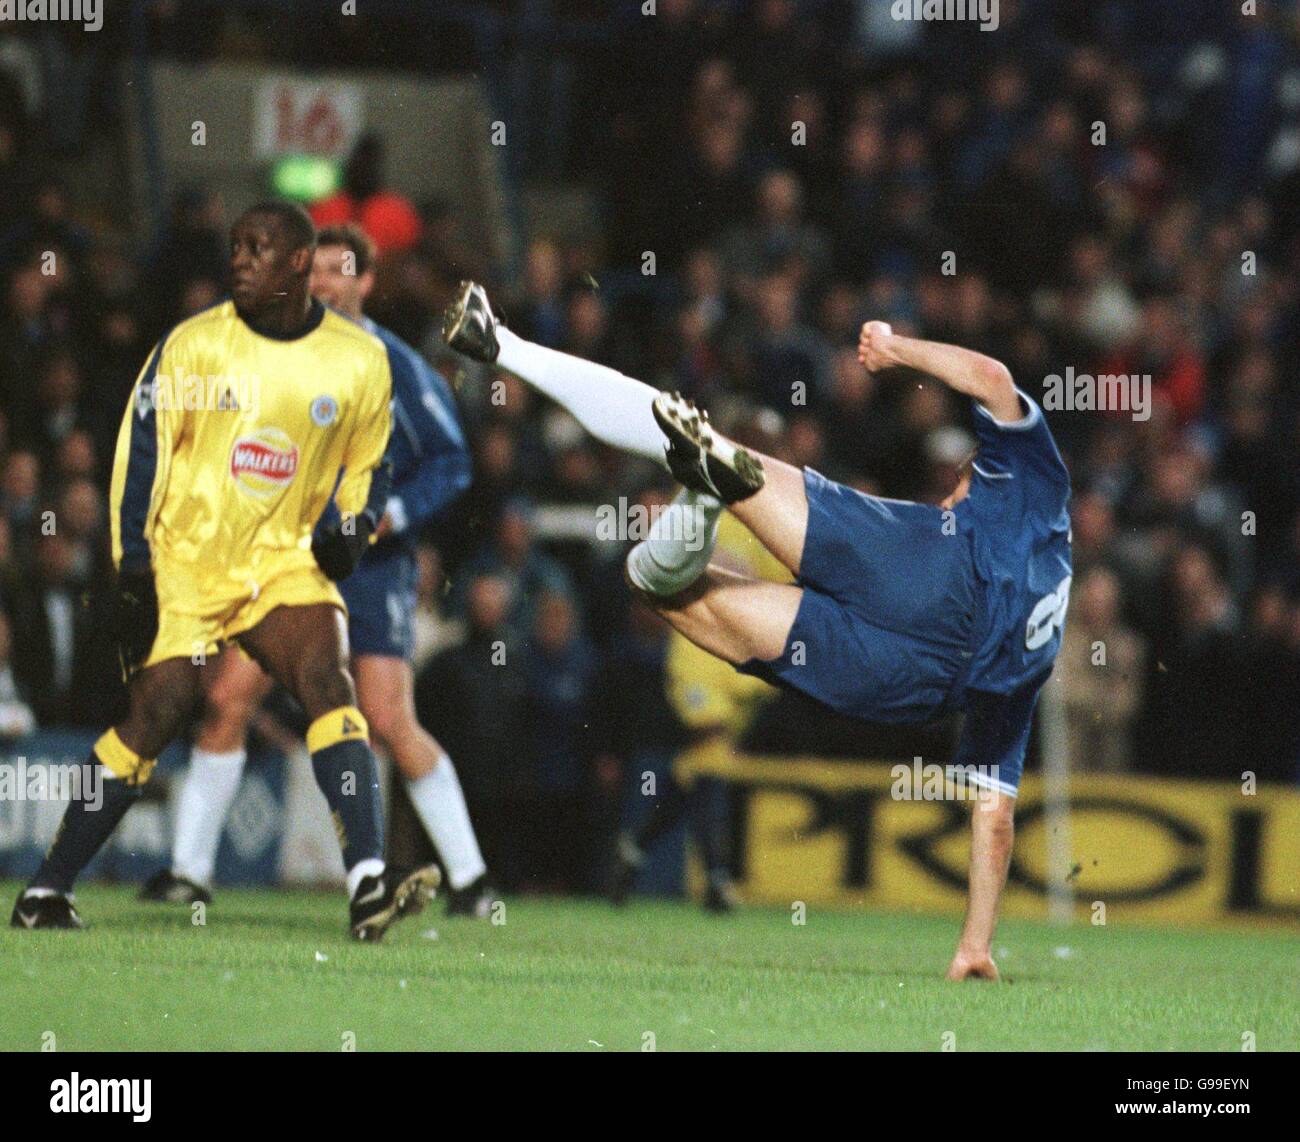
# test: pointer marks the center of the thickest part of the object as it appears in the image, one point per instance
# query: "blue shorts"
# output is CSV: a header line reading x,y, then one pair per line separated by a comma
x,y
380,597
885,628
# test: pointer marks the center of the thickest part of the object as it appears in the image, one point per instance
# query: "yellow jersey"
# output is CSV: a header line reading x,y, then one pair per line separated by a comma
x,y
232,445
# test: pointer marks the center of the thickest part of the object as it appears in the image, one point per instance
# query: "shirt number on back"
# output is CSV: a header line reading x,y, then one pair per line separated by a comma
x,y
1048,616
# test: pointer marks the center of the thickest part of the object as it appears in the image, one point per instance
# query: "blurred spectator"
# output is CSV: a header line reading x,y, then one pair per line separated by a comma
x,y
62,658
514,558
16,717
562,672
778,239
1197,720
472,699
1099,676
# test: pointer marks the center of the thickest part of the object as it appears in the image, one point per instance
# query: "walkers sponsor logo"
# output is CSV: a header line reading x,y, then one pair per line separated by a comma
x,y
264,462
22,782
983,12
1110,392
75,1095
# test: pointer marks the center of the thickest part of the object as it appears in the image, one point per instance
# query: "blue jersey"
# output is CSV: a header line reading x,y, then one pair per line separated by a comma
x,y
910,611
430,460
1017,517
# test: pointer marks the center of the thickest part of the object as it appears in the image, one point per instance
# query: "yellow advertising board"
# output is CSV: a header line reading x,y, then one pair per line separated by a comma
x,y
1152,850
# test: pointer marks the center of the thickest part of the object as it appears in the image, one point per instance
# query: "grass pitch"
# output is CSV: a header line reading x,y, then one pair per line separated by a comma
x,y
273,970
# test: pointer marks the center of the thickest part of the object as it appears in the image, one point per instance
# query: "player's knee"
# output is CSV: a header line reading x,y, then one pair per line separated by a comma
x,y
226,715
324,686
388,721
155,718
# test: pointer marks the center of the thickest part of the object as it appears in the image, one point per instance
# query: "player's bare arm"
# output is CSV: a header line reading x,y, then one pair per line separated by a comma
x,y
963,370
992,837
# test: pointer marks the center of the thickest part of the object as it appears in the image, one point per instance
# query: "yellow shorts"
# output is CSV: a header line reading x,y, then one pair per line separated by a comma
x,y
197,614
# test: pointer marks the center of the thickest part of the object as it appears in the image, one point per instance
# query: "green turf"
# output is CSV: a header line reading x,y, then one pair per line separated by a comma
x,y
272,970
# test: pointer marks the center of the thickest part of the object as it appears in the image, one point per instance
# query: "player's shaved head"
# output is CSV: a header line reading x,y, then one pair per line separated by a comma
x,y
295,223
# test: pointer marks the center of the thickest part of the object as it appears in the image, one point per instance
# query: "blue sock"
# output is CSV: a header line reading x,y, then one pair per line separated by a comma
x,y
90,819
346,773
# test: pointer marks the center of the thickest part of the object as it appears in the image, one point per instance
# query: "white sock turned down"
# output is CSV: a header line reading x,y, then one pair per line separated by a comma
x,y
679,546
615,409
205,801
440,804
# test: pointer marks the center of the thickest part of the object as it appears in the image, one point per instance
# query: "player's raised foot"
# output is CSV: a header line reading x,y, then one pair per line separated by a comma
x,y
166,887
720,896
54,910
475,900
702,459
380,901
469,326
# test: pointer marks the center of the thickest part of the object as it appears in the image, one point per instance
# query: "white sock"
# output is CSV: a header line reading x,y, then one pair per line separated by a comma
x,y
679,546
440,803
615,409
371,866
205,800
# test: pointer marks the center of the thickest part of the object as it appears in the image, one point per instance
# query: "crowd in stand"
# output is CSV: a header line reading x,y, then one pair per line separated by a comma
x,y
1075,195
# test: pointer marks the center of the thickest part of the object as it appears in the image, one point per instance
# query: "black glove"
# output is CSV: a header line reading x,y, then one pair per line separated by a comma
x,y
338,551
135,618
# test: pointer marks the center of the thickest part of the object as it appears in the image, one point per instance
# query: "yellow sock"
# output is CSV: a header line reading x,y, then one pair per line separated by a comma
x,y
121,760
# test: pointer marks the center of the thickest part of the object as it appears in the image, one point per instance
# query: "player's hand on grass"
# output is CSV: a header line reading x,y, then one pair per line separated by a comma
x,y
972,965
876,346
135,617
339,547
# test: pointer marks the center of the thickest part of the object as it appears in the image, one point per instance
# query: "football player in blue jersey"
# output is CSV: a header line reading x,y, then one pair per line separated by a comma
x,y
900,611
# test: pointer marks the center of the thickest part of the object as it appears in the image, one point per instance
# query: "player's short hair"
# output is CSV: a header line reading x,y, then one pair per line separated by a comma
x,y
293,218
351,237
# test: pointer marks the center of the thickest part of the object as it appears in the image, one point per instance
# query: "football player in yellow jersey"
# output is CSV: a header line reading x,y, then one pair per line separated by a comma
x,y
717,705
244,421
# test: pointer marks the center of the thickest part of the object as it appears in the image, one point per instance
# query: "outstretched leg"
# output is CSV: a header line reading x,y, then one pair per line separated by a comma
x,y
621,412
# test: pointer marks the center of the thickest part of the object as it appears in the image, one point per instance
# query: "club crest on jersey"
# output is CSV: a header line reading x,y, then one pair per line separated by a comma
x,y
264,462
323,410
